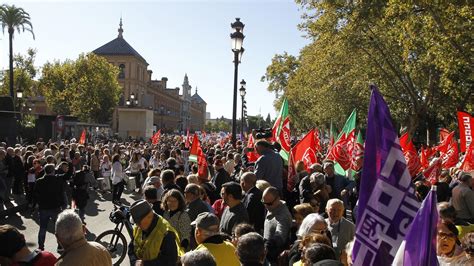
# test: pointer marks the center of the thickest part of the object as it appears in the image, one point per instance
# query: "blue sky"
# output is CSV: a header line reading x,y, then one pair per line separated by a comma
x,y
175,37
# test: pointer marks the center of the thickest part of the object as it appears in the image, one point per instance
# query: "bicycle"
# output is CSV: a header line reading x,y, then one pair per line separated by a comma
x,y
114,240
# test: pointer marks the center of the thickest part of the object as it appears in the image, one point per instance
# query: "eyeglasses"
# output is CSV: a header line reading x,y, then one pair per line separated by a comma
x,y
268,203
320,231
446,235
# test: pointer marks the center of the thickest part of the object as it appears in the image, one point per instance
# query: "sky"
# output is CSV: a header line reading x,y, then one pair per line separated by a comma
x,y
175,37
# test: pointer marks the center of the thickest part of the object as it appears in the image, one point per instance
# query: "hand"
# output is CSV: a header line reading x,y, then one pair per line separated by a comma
x,y
343,192
139,263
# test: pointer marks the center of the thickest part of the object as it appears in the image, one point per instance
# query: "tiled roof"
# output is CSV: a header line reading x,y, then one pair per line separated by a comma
x,y
197,98
118,46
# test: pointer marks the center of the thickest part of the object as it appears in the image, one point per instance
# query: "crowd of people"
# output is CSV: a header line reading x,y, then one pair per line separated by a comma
x,y
240,212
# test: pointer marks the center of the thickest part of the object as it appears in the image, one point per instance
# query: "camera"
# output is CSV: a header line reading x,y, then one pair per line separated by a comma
x,y
263,133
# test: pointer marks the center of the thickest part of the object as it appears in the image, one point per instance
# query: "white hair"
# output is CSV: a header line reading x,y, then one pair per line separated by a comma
x,y
333,202
308,222
192,179
69,227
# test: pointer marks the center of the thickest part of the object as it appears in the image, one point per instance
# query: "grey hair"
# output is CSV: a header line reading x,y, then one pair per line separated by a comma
x,y
68,227
251,248
308,222
334,201
198,258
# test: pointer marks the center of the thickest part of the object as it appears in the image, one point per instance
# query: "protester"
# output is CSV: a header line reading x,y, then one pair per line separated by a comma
x,y
174,207
77,250
195,205
251,250
117,179
235,212
253,201
342,230
240,230
448,249
208,237
463,198
150,194
320,254
155,241
198,258
269,165
221,175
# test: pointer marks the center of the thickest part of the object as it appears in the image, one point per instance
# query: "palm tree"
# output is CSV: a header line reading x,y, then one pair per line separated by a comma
x,y
12,18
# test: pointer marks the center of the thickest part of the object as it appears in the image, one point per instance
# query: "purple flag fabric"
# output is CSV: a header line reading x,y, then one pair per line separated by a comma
x,y
420,242
387,203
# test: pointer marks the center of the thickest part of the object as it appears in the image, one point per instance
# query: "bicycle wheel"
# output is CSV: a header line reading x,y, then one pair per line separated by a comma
x,y
115,242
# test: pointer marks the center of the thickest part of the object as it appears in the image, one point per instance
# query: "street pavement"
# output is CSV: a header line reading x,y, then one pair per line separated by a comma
x,y
97,219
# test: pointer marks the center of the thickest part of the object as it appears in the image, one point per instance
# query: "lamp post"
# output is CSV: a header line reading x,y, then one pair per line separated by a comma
x,y
19,97
237,38
132,101
242,94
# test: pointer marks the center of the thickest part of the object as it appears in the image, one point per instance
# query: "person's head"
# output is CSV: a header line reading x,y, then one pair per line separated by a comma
x,y
142,214
154,172
465,178
421,191
12,242
218,164
207,225
447,239
173,200
328,168
300,167
316,167
335,210
167,177
237,158
300,211
271,198
468,244
116,158
262,185
313,238
240,230
251,249
69,228
247,181
231,193
49,169
193,179
313,223
446,212
198,258
191,193
316,180
262,145
318,252
151,194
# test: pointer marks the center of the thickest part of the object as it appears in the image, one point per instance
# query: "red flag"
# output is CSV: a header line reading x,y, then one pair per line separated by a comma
x,y
411,156
449,153
82,139
203,170
304,150
433,171
317,141
253,155
424,158
204,134
357,158
341,151
466,128
194,151
186,144
443,134
468,161
156,137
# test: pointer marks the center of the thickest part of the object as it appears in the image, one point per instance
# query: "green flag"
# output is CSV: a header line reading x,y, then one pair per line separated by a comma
x,y
281,131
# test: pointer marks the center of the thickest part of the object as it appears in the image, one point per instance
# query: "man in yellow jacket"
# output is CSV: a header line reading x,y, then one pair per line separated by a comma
x,y
208,237
155,241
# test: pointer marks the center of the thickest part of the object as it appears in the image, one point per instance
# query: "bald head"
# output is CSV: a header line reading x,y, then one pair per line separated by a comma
x,y
247,181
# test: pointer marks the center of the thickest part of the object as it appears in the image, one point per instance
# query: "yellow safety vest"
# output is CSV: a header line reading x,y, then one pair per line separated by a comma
x,y
149,248
224,253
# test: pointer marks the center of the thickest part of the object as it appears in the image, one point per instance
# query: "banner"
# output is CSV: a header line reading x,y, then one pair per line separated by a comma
x,y
156,137
82,139
419,246
468,161
341,151
252,156
281,131
411,155
194,151
466,124
357,159
387,202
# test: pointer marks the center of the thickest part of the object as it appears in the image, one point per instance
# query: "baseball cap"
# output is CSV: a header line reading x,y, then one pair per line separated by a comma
x,y
139,209
206,220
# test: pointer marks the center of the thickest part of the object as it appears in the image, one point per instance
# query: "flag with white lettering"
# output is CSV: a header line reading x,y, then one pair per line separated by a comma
x,y
465,123
387,202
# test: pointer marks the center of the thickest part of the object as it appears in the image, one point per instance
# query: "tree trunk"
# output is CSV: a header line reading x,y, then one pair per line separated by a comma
x,y
10,37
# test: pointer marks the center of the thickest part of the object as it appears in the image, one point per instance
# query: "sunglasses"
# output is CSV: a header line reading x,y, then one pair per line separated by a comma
x,y
268,203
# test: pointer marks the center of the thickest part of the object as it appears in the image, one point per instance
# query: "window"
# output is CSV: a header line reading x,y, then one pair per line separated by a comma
x,y
121,71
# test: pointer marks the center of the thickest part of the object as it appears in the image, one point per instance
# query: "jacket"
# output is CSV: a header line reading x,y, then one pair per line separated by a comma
x,y
87,253
255,209
223,251
48,192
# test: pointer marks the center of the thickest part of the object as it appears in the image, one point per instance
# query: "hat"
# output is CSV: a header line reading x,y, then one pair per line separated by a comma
x,y
139,209
205,220
13,241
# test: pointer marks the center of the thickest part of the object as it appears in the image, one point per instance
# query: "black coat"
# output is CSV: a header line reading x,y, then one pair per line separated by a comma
x,y
255,209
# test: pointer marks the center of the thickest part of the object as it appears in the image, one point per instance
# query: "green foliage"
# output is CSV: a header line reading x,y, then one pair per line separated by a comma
x,y
86,88
419,56
12,17
219,125
23,75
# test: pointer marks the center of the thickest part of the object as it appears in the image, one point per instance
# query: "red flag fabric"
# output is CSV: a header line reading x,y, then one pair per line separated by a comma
x,y
411,155
357,159
317,141
468,161
203,170
466,128
304,150
443,134
424,158
194,151
341,151
82,139
433,171
252,156
156,137
204,134
449,153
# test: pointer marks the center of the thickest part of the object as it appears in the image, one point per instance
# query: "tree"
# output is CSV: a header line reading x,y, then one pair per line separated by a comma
x,y
24,74
86,88
417,54
12,18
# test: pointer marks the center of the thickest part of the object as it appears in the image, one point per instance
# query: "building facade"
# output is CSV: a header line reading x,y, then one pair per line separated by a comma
x,y
161,107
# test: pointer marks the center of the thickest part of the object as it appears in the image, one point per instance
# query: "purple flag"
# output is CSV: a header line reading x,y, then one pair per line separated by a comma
x,y
419,247
387,202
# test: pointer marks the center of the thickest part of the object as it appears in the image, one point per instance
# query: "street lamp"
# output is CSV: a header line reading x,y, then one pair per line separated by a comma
x,y
242,94
19,94
237,38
